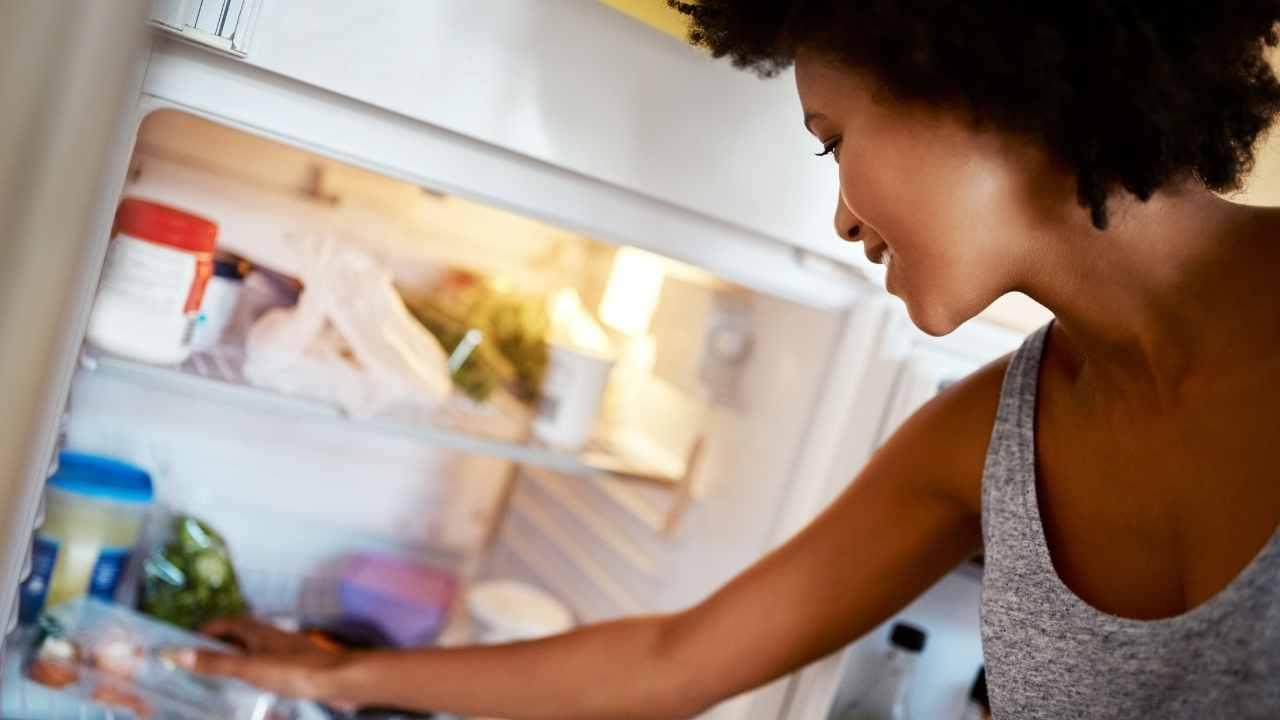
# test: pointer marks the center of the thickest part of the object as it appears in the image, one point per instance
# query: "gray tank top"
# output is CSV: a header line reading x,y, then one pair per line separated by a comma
x,y
1049,654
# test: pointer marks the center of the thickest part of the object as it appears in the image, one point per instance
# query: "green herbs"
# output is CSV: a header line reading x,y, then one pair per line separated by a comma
x,y
511,331
190,581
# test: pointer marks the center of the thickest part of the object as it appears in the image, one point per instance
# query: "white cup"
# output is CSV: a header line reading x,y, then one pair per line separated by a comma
x,y
505,611
572,392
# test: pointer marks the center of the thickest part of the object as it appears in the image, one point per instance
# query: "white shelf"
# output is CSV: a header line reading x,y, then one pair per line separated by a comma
x,y
461,426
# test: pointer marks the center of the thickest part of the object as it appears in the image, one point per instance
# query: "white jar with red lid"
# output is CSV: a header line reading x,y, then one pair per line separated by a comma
x,y
158,264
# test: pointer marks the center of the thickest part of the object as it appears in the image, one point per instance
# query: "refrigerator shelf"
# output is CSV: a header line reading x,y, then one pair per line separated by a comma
x,y
463,427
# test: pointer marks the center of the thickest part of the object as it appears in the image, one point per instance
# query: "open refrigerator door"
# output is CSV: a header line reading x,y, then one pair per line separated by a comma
x,y
70,74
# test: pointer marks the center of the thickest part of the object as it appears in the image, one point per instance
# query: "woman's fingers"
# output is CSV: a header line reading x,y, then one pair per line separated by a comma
x,y
277,661
233,631
204,662
299,676
256,637
226,625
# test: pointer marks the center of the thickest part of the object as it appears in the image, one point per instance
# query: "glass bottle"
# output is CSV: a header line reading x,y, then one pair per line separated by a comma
x,y
978,707
888,699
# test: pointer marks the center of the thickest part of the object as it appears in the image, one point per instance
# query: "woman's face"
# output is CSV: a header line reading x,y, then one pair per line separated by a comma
x,y
950,211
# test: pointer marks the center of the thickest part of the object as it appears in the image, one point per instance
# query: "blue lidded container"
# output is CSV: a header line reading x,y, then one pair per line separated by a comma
x,y
95,510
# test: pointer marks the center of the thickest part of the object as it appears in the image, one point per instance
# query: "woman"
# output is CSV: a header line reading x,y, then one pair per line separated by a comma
x,y
1118,470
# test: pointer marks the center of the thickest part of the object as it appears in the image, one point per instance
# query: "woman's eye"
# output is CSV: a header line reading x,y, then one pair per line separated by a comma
x,y
829,148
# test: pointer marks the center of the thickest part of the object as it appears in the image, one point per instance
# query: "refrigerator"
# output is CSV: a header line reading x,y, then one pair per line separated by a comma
x,y
535,148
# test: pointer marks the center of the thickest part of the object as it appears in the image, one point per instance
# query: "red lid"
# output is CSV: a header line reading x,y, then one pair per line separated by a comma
x,y
164,225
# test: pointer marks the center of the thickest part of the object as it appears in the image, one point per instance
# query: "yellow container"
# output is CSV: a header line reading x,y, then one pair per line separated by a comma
x,y
95,508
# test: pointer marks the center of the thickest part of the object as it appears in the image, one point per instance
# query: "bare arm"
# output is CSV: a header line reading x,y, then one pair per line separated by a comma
x,y
910,516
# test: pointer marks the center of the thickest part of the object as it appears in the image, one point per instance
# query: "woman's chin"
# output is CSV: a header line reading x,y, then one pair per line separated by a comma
x,y
932,320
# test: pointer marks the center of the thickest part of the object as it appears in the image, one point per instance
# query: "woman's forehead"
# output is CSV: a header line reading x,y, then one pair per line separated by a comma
x,y
827,87
820,81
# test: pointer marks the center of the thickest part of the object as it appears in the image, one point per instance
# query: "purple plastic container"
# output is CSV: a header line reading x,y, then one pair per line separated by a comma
x,y
408,601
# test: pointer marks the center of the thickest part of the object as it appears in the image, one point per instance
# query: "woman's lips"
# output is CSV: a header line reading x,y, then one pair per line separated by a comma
x,y
878,253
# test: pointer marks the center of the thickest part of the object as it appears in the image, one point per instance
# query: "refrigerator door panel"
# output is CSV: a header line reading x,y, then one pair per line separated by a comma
x,y
908,369
847,421
69,73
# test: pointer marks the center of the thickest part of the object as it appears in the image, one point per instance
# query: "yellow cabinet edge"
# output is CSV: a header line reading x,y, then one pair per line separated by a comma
x,y
654,13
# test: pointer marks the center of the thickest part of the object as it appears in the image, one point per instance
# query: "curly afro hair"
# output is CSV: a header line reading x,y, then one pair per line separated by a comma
x,y
1128,94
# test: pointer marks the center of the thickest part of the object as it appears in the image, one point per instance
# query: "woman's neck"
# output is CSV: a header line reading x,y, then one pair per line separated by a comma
x,y
1169,298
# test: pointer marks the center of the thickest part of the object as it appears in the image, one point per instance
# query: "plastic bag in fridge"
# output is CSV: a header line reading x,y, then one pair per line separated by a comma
x,y
349,340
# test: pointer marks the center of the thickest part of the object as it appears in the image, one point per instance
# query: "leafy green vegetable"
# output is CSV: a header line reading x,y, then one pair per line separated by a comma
x,y
191,581
513,330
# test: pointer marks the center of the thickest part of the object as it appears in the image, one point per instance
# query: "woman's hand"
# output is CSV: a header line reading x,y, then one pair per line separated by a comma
x,y
258,638
297,675
277,661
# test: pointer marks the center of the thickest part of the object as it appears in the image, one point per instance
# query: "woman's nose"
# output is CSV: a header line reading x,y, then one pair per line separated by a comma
x,y
847,226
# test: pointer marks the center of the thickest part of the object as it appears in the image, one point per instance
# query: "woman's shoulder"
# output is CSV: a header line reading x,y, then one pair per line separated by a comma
x,y
948,436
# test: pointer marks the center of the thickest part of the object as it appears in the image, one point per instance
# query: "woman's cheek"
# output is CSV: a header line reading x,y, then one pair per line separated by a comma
x,y
934,276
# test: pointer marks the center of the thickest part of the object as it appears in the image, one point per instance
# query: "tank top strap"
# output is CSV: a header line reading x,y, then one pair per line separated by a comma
x,y
1009,476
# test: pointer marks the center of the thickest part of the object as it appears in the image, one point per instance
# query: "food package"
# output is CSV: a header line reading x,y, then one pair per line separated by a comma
x,y
189,579
349,340
109,655
398,600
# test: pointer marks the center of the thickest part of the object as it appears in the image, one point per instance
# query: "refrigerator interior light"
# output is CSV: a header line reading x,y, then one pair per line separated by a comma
x,y
573,326
635,284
